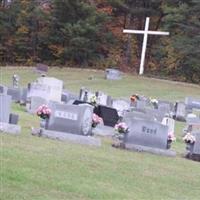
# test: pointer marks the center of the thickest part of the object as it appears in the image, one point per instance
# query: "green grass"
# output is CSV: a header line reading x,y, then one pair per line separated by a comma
x,y
42,169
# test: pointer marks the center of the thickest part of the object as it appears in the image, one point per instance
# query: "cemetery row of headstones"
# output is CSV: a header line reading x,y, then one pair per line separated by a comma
x,y
150,122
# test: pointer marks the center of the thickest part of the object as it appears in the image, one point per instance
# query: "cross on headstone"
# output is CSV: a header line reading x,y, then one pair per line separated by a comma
x,y
146,32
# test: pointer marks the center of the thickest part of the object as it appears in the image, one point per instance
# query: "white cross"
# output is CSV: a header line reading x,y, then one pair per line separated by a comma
x,y
146,32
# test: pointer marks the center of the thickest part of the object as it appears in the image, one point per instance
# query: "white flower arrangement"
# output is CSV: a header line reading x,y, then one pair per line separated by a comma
x,y
154,101
189,138
93,100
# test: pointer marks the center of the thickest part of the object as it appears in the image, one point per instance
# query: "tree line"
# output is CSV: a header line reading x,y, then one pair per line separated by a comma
x,y
88,33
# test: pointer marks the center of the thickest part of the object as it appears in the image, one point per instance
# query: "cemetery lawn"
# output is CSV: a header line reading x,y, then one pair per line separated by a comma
x,y
34,168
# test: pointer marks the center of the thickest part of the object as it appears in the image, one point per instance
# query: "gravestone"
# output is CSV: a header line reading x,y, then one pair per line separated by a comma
x,y
193,150
15,93
113,74
48,88
23,98
70,123
192,124
7,120
192,103
41,68
86,95
103,99
38,90
196,149
137,114
55,87
5,108
121,106
71,119
13,118
140,104
170,123
3,89
180,111
155,114
67,96
109,115
145,135
34,103
166,107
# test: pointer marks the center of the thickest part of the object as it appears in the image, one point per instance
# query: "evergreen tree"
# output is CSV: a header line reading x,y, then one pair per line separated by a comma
x,y
183,19
77,31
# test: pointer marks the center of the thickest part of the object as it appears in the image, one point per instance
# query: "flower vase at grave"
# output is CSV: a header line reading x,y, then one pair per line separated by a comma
x,y
189,146
169,142
43,122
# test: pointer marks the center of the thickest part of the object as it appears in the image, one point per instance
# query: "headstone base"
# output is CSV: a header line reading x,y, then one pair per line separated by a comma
x,y
10,128
134,147
79,139
102,130
195,157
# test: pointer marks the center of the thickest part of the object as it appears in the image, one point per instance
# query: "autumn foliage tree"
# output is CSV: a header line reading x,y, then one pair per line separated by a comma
x,y
90,33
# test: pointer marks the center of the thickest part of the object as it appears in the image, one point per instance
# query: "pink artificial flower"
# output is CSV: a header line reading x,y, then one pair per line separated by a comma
x,y
171,137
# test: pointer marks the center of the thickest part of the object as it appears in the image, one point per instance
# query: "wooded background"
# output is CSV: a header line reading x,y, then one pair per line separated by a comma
x,y
88,33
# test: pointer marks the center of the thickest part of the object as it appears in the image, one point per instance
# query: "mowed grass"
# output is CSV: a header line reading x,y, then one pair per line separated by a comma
x,y
42,169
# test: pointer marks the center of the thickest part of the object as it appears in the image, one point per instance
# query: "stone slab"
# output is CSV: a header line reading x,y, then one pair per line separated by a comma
x,y
78,139
156,151
10,128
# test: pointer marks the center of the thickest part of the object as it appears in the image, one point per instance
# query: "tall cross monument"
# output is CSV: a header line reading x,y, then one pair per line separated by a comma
x,y
146,32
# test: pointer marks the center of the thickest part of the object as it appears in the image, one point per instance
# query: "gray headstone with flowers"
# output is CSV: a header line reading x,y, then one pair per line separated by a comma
x,y
192,141
76,119
148,136
68,122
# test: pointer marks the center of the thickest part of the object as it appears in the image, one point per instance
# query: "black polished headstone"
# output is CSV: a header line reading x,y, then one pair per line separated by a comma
x,y
13,118
109,115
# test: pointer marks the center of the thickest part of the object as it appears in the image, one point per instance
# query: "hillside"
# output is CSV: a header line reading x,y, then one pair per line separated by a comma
x,y
39,168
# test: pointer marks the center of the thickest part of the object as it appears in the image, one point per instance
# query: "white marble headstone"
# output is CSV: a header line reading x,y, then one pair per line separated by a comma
x,y
55,87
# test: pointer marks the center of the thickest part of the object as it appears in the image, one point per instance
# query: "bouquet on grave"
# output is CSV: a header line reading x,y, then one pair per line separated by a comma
x,y
154,102
43,112
134,98
96,120
189,138
171,137
121,128
93,100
